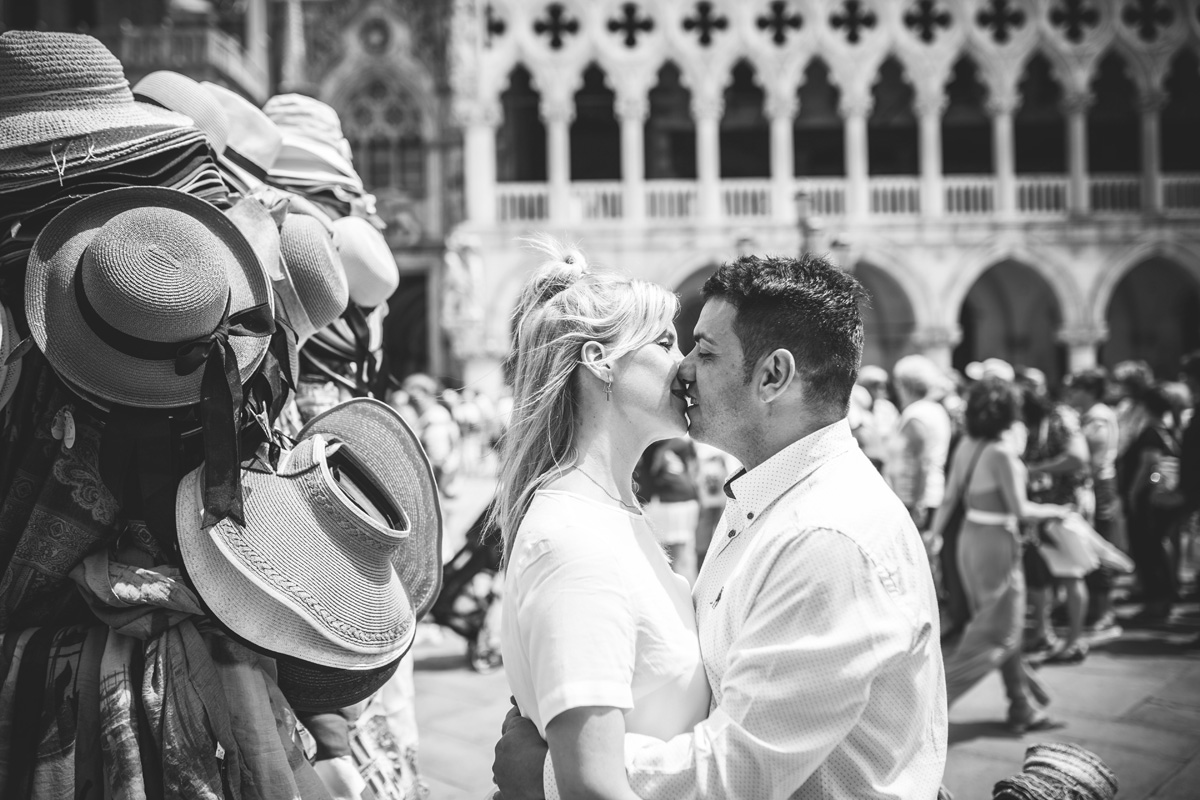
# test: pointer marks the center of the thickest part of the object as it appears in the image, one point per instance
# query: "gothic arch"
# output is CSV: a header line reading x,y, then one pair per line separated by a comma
x,y
1185,255
1057,274
916,287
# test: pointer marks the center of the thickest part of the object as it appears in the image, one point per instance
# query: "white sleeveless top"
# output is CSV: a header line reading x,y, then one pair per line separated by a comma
x,y
594,616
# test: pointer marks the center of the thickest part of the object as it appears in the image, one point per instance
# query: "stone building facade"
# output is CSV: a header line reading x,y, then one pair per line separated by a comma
x,y
1011,178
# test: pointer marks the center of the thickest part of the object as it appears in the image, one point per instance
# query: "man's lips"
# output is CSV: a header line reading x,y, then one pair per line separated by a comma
x,y
683,395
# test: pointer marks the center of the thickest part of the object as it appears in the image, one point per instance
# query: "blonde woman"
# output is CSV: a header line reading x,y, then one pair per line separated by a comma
x,y
598,633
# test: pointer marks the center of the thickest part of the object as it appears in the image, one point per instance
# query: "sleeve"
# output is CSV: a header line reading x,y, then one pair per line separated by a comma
x,y
798,678
576,622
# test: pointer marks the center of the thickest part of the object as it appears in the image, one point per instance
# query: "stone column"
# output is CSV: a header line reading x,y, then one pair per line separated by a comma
x,y
858,190
257,39
632,111
291,70
1004,161
707,112
1083,343
558,114
1075,106
937,342
1151,109
929,112
480,120
781,110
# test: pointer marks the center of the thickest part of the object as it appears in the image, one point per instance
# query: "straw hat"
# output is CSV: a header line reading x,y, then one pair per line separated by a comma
x,y
309,575
118,282
312,290
1081,770
64,95
371,271
181,94
395,460
253,143
310,117
9,373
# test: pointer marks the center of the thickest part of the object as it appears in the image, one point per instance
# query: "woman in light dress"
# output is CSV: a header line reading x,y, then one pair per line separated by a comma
x,y
598,633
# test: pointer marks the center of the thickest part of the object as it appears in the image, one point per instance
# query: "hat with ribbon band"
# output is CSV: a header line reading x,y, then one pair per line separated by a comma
x,y
150,298
253,144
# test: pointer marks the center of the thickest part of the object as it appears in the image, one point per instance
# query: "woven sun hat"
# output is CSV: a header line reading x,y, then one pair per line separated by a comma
x,y
394,459
64,96
9,373
371,271
309,574
309,117
312,290
120,281
253,143
181,94
1088,777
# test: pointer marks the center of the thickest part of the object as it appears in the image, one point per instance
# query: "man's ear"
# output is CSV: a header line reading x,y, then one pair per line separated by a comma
x,y
593,357
775,374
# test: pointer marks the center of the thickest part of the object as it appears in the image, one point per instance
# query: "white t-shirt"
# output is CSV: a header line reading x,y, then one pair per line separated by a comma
x,y
594,616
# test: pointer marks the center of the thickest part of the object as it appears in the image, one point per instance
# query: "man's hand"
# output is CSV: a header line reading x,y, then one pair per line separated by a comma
x,y
520,758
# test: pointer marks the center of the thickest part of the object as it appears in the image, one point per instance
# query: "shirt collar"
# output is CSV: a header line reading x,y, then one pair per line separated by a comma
x,y
753,491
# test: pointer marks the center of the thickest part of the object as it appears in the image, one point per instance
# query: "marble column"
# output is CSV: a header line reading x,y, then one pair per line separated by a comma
x,y
937,342
1075,107
291,77
707,110
480,120
929,113
781,111
1150,107
1083,345
558,114
1004,162
858,190
632,112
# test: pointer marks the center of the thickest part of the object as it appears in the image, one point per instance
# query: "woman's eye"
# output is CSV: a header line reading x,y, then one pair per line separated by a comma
x,y
666,344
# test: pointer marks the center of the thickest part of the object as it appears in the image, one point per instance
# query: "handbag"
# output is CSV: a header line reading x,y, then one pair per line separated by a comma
x,y
954,595
1165,491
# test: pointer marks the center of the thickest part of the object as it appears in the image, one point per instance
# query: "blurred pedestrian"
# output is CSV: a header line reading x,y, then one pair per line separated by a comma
x,y
920,445
1085,391
668,478
437,430
884,413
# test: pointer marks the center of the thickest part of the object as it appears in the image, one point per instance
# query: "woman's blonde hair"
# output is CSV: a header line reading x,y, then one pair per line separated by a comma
x,y
563,306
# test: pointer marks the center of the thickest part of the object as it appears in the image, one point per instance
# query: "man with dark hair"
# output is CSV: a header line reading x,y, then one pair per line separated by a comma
x,y
815,607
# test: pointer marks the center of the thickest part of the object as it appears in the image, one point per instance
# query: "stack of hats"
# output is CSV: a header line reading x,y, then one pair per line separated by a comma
x,y
1059,771
156,291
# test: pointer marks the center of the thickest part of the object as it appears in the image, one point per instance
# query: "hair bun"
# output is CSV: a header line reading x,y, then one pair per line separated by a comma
x,y
564,267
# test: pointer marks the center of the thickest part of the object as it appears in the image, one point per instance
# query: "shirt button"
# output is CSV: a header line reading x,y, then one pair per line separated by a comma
x,y
732,534
750,515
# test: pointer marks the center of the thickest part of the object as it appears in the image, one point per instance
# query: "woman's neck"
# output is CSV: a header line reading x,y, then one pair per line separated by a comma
x,y
608,455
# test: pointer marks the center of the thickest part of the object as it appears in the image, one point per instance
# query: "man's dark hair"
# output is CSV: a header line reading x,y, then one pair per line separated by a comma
x,y
1189,366
806,305
1092,381
993,405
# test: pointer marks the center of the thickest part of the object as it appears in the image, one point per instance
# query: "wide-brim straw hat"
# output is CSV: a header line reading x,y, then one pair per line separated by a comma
x,y
312,289
9,373
371,271
309,575
181,94
253,143
310,117
64,88
156,265
394,459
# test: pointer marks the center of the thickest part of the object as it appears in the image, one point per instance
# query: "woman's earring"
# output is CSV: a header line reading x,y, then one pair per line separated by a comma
x,y
608,391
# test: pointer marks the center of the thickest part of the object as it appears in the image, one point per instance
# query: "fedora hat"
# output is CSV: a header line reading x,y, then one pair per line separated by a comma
x,y
253,143
9,373
394,459
371,271
181,94
64,95
309,575
312,290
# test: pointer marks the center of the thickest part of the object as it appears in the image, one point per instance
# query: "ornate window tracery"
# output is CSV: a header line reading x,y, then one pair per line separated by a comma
x,y
384,126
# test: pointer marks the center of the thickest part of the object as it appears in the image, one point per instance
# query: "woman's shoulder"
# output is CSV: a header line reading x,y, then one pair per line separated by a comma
x,y
565,523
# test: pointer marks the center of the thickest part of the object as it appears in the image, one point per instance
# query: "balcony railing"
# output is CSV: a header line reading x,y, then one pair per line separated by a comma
x,y
969,195
666,202
196,50
898,196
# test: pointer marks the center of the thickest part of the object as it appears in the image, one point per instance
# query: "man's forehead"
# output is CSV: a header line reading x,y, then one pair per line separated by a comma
x,y
716,320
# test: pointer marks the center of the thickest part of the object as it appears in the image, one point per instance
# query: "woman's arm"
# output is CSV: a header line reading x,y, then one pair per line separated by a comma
x,y
953,485
587,748
1011,481
1073,459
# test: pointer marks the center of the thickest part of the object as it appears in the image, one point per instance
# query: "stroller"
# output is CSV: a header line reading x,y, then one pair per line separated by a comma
x,y
471,586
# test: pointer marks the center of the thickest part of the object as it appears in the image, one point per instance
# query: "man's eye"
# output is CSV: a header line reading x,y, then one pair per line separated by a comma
x,y
705,356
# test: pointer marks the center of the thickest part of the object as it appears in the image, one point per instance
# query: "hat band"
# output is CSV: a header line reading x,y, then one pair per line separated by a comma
x,y
220,389
245,163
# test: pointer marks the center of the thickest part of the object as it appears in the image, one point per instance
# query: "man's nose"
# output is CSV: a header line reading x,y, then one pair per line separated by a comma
x,y
687,369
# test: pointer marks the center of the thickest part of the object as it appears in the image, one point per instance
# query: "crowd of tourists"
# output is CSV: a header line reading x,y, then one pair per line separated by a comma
x,y
1033,500
215,543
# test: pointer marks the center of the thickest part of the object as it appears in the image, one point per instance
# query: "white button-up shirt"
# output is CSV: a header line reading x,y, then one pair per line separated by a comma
x,y
819,631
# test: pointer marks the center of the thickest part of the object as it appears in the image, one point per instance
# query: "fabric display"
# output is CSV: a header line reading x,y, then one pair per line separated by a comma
x,y
198,572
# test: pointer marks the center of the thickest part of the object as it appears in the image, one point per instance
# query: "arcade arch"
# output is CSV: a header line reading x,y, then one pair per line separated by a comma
x,y
1153,314
1012,312
889,319
521,137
